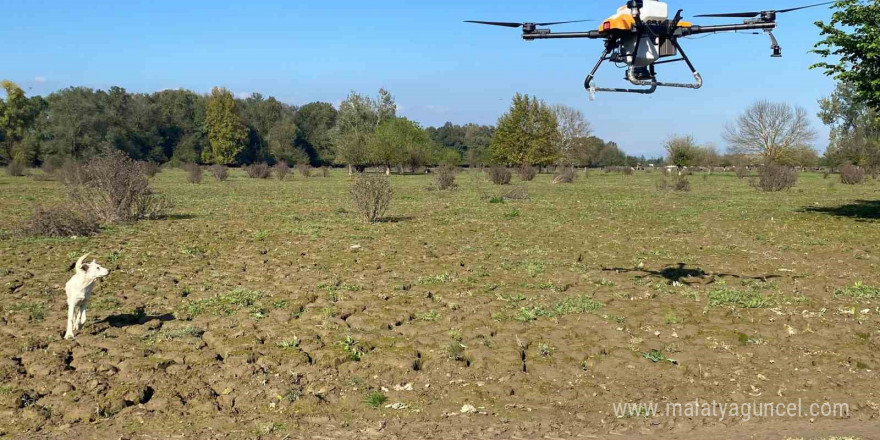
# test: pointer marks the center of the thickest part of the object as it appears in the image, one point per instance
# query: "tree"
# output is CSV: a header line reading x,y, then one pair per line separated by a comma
x,y
572,127
770,131
399,141
260,115
682,151
282,143
18,115
355,122
476,141
855,128
852,41
386,108
314,122
227,134
527,134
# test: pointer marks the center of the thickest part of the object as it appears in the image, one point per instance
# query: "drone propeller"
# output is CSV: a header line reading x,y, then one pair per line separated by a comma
x,y
524,25
762,13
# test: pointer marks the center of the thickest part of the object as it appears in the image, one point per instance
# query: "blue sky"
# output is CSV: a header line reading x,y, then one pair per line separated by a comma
x,y
439,68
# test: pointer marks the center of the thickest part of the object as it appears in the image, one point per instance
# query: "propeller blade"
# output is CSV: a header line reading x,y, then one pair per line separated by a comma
x,y
804,7
562,22
758,13
497,23
732,15
515,25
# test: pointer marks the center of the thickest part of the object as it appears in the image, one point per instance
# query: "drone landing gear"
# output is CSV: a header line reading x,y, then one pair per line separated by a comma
x,y
643,76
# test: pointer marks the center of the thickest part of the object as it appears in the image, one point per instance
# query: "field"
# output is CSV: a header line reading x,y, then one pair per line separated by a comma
x,y
267,309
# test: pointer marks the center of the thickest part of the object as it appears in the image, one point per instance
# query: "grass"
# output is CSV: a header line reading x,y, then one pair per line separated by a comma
x,y
568,306
35,312
375,399
859,291
226,304
744,298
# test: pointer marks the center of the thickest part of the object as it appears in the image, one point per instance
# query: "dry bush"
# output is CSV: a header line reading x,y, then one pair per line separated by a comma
x,y
220,172
628,171
499,175
741,172
679,184
444,177
851,174
71,173
15,169
59,221
527,172
565,175
774,178
282,170
113,189
325,172
258,171
305,170
371,195
516,193
193,173
150,169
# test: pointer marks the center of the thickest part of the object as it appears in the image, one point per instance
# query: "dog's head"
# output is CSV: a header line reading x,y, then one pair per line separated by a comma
x,y
91,270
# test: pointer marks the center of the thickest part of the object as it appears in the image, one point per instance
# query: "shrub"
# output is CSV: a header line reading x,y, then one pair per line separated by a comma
x,y
220,172
60,221
114,189
565,175
679,184
305,170
741,172
499,175
372,195
193,173
257,171
325,172
15,169
774,178
527,172
628,171
851,174
71,173
282,170
444,176
150,169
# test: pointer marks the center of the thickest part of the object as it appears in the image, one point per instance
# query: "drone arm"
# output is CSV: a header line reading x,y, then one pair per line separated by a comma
x,y
695,30
530,36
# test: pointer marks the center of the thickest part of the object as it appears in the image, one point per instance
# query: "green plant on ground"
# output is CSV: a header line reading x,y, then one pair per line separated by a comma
x,y
375,399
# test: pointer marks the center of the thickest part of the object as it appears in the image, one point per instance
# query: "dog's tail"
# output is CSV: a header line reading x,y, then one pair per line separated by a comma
x,y
79,263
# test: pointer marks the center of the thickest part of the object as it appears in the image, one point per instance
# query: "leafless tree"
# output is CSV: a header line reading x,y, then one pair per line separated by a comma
x,y
771,131
572,126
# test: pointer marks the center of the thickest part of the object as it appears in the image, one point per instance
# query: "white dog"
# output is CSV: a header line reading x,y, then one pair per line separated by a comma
x,y
79,290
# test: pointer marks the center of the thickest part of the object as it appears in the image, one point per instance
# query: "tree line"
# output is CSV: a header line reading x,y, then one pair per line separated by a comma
x,y
180,126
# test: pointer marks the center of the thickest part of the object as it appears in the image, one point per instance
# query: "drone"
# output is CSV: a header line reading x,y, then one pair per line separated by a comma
x,y
641,36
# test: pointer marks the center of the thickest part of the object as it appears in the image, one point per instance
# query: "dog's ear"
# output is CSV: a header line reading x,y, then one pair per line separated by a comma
x,y
79,263
84,267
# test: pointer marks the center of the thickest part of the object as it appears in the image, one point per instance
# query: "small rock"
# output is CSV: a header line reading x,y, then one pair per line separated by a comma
x,y
406,387
396,405
355,248
468,409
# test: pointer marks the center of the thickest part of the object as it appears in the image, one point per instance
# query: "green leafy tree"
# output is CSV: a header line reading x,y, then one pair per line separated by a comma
x,y
852,43
527,134
17,118
227,134
282,144
355,123
682,151
314,122
399,141
476,140
855,128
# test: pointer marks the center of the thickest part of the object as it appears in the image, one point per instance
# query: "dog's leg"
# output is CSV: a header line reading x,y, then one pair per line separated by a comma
x,y
82,313
70,317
